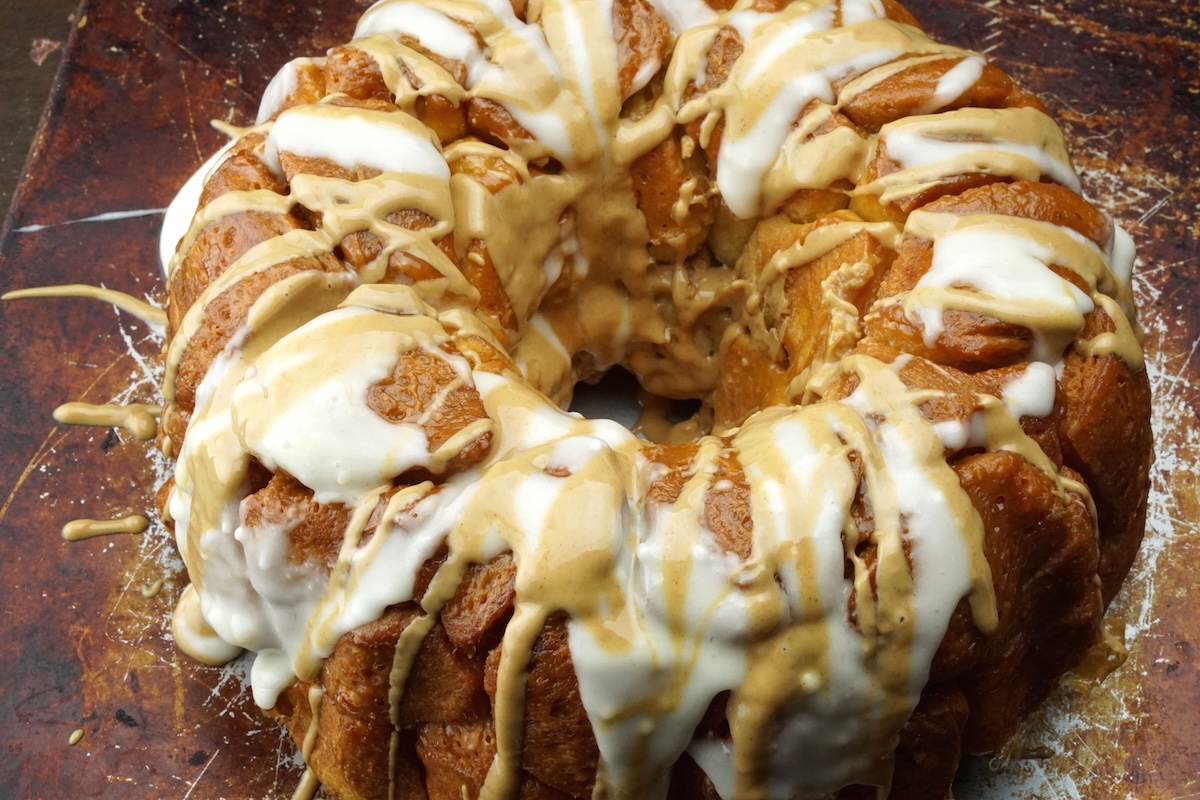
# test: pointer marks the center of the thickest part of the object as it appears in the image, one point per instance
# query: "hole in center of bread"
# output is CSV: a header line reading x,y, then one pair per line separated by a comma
x,y
619,397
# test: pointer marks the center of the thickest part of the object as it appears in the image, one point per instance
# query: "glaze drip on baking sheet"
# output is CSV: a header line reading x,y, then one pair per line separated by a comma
x,y
433,233
79,529
139,419
152,316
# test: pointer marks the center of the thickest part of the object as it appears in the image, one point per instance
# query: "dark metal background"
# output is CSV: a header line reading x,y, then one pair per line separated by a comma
x,y
127,121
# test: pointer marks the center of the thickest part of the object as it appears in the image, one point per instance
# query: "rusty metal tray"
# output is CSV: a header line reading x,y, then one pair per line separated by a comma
x,y
84,647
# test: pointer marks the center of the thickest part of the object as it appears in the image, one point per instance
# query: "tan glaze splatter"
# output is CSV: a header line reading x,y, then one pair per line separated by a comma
x,y
130,305
139,419
554,212
80,529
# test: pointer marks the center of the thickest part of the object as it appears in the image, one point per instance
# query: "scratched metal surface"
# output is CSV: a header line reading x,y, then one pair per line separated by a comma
x,y
81,647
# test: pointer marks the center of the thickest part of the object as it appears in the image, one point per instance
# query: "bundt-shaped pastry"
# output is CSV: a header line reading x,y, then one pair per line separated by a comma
x,y
917,475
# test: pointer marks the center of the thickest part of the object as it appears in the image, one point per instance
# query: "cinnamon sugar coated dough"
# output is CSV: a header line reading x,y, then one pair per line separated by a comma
x,y
918,471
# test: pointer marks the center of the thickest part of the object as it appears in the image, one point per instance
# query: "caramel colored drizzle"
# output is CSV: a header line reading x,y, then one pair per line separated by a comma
x,y
131,305
1102,659
315,694
80,529
308,786
1124,342
139,419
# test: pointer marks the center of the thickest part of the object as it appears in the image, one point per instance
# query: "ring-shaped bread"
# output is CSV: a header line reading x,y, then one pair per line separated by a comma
x,y
917,475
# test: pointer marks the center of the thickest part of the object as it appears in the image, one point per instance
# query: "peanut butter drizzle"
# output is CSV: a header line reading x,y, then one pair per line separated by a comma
x,y
308,786
316,646
569,246
1124,342
315,695
139,419
130,305
407,647
79,529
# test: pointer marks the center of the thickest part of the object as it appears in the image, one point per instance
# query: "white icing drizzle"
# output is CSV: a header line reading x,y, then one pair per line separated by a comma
x,y
193,634
684,15
957,80
1003,267
436,31
1011,142
282,86
356,138
1031,394
288,422
182,209
1000,266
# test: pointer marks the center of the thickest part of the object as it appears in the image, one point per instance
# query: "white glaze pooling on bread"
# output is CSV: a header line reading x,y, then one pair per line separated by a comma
x,y
1031,394
662,617
951,86
283,85
290,422
1001,267
354,137
1018,143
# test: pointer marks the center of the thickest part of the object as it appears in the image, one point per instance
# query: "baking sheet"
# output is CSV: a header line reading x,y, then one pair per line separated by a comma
x,y
83,648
